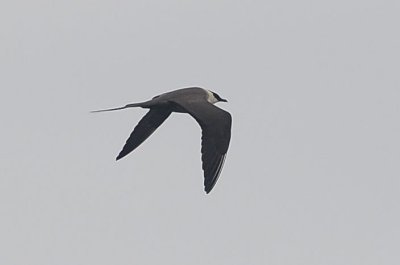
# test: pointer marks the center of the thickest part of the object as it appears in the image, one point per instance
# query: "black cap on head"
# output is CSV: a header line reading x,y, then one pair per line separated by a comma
x,y
219,98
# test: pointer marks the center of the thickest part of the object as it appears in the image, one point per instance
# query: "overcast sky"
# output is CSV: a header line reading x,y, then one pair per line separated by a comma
x,y
312,175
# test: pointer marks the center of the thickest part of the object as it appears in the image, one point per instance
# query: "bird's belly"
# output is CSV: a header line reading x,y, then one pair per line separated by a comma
x,y
177,108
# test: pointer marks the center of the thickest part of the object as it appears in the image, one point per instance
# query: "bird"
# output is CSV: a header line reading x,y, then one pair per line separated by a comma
x,y
214,122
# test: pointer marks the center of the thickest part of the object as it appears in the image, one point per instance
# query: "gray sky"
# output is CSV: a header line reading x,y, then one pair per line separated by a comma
x,y
312,174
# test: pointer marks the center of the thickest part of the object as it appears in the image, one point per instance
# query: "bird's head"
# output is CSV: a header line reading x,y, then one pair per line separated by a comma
x,y
214,97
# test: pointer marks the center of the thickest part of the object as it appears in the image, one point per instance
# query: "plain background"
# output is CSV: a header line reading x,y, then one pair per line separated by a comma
x,y
312,174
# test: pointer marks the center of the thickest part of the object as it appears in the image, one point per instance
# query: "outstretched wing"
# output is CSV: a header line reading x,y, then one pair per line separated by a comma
x,y
216,134
146,126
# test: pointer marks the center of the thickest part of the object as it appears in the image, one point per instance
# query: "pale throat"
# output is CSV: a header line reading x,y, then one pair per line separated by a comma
x,y
211,98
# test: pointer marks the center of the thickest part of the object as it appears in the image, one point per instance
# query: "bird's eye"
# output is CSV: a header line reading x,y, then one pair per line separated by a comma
x,y
216,96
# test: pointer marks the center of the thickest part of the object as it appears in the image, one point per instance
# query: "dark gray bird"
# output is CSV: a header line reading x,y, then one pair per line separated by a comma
x,y
199,103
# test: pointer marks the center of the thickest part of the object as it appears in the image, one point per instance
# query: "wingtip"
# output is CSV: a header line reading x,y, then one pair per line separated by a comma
x,y
208,189
209,186
121,155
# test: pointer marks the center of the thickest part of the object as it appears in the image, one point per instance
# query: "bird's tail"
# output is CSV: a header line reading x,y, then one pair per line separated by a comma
x,y
133,105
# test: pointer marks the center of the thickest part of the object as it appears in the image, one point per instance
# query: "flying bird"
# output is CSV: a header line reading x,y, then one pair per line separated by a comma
x,y
199,103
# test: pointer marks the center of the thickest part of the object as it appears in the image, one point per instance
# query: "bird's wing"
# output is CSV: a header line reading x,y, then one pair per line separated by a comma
x,y
216,134
146,126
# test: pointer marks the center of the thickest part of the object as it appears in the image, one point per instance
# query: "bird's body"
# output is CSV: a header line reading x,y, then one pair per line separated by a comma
x,y
198,102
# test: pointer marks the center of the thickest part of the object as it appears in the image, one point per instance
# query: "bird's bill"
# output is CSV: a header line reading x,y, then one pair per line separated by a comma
x,y
223,100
